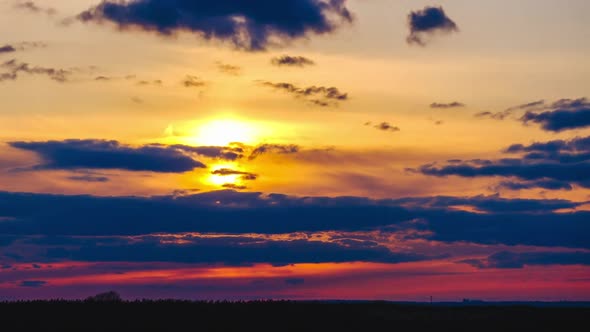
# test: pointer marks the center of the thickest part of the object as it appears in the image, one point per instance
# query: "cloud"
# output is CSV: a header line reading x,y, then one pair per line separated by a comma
x,y
454,104
294,281
32,283
243,175
427,22
317,95
14,68
152,82
385,126
494,220
538,104
89,178
7,49
225,249
191,81
234,186
102,154
274,149
229,69
543,184
292,61
218,152
564,114
555,164
516,260
34,8
247,26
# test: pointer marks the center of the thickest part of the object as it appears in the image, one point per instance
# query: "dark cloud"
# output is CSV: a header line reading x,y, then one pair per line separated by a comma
x,y
454,104
101,154
32,283
495,220
426,22
385,126
191,81
295,281
554,164
543,184
89,178
34,8
229,69
292,61
317,95
14,68
231,250
245,25
7,49
515,260
243,175
565,114
273,149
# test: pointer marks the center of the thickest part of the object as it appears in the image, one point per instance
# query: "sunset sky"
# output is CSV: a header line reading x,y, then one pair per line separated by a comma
x,y
295,149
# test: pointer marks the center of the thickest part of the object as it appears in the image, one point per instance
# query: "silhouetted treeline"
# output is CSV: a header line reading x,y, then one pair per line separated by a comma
x,y
92,315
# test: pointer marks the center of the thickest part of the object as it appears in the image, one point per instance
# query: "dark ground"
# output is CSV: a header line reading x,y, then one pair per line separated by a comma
x,y
287,316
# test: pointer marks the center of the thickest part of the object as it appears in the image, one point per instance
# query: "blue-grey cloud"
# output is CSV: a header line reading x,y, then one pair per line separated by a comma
x,y
273,149
245,25
558,164
13,68
292,61
454,104
494,221
518,260
428,21
316,95
32,283
565,114
102,154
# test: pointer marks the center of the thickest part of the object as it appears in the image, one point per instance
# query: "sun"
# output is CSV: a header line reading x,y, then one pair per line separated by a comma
x,y
223,132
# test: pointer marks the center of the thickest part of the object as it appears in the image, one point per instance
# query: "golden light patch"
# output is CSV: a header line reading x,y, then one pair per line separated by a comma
x,y
225,131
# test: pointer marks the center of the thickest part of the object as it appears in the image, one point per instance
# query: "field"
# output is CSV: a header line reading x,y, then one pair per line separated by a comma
x,y
287,316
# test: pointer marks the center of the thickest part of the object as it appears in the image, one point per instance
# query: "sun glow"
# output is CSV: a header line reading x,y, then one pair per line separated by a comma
x,y
224,132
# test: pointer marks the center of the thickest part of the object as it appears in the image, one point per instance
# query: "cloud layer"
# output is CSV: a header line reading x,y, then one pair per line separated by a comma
x,y
243,24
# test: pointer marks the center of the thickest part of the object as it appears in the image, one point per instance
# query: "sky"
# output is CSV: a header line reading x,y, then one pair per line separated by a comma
x,y
295,149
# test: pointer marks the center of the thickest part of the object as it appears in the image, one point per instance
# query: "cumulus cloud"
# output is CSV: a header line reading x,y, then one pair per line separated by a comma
x,y
427,22
102,154
555,164
292,61
317,95
244,25
564,114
